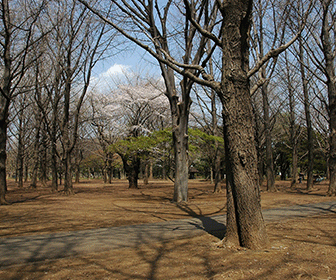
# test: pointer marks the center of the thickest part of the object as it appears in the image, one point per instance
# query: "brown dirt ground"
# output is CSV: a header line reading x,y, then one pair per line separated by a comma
x,y
303,248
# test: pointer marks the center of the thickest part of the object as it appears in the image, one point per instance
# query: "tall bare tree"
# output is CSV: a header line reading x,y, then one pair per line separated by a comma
x,y
328,34
17,38
229,34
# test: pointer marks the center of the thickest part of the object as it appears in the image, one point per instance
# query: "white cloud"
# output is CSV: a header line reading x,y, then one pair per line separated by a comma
x,y
115,70
105,80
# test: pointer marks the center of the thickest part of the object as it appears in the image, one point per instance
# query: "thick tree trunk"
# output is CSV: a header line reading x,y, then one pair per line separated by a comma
x,y
180,142
328,52
243,175
132,170
180,117
245,219
332,141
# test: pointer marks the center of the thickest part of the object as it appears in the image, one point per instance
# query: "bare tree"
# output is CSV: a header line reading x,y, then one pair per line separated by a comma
x,y
17,38
74,47
328,47
163,41
226,24
307,107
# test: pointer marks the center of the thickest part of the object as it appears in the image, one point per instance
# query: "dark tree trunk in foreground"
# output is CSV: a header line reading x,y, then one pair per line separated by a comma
x,y
6,83
244,221
329,56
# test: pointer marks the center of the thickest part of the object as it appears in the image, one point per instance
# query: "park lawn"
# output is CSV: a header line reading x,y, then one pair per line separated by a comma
x,y
303,248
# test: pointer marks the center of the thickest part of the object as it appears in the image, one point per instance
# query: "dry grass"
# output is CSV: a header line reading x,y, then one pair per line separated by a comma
x,y
300,248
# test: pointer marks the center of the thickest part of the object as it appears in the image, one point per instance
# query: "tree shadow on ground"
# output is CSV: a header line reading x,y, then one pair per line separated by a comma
x,y
209,224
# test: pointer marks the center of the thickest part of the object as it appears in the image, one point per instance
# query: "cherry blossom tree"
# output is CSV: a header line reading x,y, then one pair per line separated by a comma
x,y
135,109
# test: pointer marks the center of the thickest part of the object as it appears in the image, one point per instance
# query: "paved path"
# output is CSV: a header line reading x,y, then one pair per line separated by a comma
x,y
24,249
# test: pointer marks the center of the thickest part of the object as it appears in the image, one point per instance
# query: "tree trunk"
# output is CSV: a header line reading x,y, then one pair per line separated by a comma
x,y
310,139
217,158
146,172
292,127
132,170
109,168
259,144
3,156
78,160
53,143
243,175
20,154
68,187
77,174
151,170
328,52
180,116
54,165
180,142
43,160
217,170
35,158
268,136
245,219
5,98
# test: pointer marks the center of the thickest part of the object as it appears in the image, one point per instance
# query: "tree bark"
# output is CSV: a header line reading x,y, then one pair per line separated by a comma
x,y
146,172
245,219
35,156
68,186
20,155
109,168
180,142
5,94
292,126
268,136
331,85
54,163
3,156
180,117
43,158
132,170
310,138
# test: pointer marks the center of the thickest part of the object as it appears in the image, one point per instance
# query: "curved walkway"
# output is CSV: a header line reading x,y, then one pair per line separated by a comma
x,y
24,249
